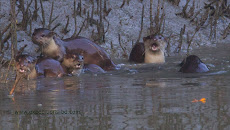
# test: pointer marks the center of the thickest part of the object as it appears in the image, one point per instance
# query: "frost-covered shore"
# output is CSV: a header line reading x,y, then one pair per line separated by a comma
x,y
125,21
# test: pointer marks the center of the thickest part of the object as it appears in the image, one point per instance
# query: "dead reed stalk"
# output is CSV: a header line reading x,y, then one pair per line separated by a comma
x,y
142,18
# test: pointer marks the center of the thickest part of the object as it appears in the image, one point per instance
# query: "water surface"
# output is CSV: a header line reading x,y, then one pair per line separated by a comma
x,y
134,97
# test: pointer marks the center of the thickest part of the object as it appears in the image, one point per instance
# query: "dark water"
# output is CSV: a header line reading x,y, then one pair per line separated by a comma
x,y
135,97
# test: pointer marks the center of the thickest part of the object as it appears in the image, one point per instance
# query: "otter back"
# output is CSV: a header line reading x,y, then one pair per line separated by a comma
x,y
137,54
93,54
49,68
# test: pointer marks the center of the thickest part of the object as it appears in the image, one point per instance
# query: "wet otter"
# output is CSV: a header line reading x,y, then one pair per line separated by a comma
x,y
56,48
193,64
32,68
151,51
92,68
137,54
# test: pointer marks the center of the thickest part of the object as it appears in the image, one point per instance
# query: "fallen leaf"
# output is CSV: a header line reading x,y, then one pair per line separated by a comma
x,y
195,100
203,100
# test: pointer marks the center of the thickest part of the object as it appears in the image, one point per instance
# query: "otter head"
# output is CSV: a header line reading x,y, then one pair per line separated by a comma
x,y
42,36
154,44
193,64
73,62
24,64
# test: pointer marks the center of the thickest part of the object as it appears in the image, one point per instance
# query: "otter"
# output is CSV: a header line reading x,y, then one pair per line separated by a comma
x,y
54,47
137,54
92,68
32,68
193,64
151,51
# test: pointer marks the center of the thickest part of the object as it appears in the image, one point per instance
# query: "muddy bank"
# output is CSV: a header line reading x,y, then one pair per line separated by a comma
x,y
103,24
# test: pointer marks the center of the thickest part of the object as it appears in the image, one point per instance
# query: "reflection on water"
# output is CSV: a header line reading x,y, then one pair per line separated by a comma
x,y
135,97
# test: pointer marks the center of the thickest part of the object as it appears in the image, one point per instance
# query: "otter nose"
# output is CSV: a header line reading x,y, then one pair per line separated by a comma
x,y
22,65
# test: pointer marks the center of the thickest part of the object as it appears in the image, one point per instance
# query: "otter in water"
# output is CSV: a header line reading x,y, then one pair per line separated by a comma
x,y
56,48
193,64
32,68
92,68
137,54
151,51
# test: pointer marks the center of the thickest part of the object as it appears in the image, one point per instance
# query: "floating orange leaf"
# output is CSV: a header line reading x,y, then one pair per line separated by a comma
x,y
203,100
195,100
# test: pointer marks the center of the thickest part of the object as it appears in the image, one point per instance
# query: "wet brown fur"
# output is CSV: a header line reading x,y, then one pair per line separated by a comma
x,y
48,67
193,64
93,54
143,53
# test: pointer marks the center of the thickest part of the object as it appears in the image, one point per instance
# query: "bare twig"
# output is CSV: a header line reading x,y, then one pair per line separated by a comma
x,y
189,40
18,78
142,18
51,14
191,10
13,30
20,51
57,25
43,14
1,46
161,23
35,13
151,17
66,30
75,18
6,28
79,8
106,12
195,16
175,2
81,28
124,50
182,31
204,17
123,3
226,31
184,13
8,69
26,14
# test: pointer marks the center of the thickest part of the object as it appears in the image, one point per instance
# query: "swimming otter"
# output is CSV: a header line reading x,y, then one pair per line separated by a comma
x,y
193,64
54,47
151,51
92,68
137,54
32,68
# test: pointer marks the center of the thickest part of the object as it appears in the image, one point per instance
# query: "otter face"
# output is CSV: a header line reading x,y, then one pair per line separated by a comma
x,y
193,64
73,61
24,64
42,36
154,44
